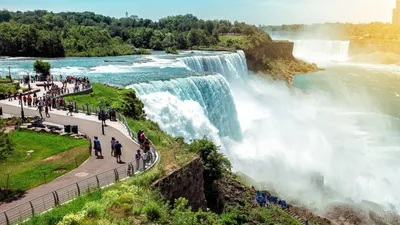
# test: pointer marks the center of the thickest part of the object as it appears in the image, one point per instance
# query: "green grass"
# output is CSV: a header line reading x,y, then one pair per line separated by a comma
x,y
233,38
102,94
26,169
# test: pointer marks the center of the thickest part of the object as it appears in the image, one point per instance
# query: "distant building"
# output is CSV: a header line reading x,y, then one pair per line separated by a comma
x,y
396,13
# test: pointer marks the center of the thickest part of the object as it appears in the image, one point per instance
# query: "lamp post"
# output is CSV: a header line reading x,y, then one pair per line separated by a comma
x,y
29,82
9,73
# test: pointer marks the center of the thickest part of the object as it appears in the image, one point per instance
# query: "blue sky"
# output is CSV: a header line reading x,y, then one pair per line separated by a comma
x,y
250,11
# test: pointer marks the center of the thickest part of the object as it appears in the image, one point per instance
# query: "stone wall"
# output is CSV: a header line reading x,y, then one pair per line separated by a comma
x,y
186,182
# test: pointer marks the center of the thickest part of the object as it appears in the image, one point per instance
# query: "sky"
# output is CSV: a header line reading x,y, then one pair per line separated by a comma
x,y
257,12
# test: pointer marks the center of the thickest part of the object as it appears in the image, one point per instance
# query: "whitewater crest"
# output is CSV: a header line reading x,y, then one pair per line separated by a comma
x,y
230,65
321,50
212,92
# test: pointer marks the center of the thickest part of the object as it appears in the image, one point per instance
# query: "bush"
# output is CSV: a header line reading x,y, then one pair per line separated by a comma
x,y
152,211
141,51
6,144
94,209
171,50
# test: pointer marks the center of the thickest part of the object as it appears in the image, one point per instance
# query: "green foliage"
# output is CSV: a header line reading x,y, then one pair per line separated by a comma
x,y
6,144
172,50
215,164
7,88
41,67
141,51
46,34
123,100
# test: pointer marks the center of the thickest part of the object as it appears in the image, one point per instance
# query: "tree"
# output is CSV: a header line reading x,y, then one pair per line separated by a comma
x,y
42,67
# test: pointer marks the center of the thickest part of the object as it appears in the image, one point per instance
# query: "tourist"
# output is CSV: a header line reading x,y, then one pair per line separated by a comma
x,y
24,99
112,146
35,101
9,96
118,151
146,148
145,159
103,116
138,135
40,108
29,101
142,138
138,156
97,148
19,99
46,110
70,108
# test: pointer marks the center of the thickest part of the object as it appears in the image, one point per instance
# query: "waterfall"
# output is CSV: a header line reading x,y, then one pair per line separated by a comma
x,y
231,66
212,92
321,50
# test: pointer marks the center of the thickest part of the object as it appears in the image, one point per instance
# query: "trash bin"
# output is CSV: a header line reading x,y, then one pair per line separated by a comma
x,y
1,111
74,129
67,128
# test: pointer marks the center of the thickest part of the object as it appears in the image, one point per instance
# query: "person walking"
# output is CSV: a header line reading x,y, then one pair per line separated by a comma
x,y
138,156
97,148
113,141
103,117
46,111
118,151
40,108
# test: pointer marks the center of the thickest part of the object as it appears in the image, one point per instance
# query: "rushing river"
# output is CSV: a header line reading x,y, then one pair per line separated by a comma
x,y
341,123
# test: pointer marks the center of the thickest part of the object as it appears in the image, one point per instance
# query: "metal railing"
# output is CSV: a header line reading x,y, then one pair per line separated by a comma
x,y
63,195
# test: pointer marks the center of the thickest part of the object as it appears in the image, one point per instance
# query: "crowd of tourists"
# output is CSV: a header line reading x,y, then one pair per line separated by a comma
x,y
144,153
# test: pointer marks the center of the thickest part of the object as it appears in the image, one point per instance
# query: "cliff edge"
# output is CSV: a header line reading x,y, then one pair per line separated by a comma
x,y
276,59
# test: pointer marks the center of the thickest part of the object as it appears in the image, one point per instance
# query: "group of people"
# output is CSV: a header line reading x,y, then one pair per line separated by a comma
x,y
116,150
42,103
262,197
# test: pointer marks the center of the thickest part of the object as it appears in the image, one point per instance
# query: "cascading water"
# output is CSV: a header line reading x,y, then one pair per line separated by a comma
x,y
321,50
213,94
232,66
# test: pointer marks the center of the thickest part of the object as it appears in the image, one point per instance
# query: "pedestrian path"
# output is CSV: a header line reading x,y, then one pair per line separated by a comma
x,y
89,125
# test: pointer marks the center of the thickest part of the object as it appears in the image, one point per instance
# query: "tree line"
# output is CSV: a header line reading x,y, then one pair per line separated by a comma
x,y
41,33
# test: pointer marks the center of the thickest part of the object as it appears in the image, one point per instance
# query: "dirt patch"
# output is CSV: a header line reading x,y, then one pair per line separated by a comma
x,y
60,170
52,158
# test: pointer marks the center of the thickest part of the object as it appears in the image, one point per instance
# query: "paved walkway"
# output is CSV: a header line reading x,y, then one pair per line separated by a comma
x,y
88,125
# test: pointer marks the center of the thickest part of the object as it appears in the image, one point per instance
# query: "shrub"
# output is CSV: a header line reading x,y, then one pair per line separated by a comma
x,y
171,50
94,209
152,211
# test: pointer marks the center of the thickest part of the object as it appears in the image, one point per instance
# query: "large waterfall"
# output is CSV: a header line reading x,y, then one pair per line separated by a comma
x,y
232,66
213,94
321,50
281,136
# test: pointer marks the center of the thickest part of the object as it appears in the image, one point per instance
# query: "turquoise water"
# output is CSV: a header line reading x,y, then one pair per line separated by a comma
x,y
341,122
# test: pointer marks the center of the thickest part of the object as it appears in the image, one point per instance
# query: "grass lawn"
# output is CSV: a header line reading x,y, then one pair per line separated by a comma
x,y
101,94
38,153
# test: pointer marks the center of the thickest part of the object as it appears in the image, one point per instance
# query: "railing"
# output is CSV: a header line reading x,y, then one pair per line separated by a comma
x,y
63,195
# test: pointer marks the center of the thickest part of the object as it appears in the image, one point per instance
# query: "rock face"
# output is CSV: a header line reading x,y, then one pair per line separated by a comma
x,y
186,182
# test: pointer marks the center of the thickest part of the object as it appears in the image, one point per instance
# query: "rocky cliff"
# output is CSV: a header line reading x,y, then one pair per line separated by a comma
x,y
276,59
186,182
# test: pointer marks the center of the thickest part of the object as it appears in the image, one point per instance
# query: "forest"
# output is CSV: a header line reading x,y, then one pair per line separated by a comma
x,y
41,33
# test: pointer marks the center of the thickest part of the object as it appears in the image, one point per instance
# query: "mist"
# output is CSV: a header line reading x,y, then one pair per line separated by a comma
x,y
292,138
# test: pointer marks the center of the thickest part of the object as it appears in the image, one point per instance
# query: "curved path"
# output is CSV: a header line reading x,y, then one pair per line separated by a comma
x,y
88,125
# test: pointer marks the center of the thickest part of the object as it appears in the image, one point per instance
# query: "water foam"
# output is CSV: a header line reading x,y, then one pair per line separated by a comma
x,y
212,92
179,118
